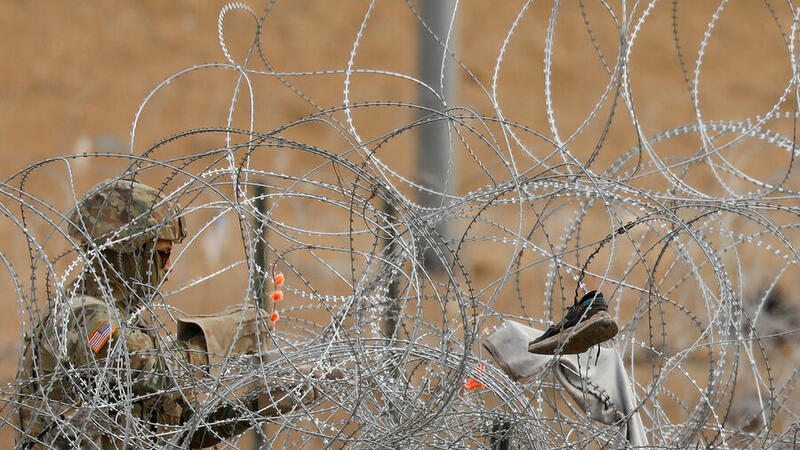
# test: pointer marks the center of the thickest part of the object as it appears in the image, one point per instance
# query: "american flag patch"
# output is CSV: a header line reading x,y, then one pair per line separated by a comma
x,y
101,335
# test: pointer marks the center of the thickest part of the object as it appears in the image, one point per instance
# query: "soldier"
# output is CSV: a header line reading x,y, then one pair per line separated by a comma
x,y
96,374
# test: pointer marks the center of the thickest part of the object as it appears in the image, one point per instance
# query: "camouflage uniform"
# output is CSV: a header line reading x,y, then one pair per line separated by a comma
x,y
92,378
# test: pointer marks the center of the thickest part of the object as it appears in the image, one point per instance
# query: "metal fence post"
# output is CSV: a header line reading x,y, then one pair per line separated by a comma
x,y
434,161
260,259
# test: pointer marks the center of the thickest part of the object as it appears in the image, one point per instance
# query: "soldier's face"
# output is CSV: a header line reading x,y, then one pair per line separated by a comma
x,y
164,249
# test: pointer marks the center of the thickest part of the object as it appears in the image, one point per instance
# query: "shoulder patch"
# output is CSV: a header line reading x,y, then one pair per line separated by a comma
x,y
100,336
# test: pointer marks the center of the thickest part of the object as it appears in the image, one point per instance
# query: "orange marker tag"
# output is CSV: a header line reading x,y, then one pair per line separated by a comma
x,y
471,384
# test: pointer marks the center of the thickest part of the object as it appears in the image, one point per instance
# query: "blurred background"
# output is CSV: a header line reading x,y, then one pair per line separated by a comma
x,y
75,75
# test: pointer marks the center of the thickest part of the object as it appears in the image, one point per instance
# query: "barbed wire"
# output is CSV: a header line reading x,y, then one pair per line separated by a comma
x,y
694,253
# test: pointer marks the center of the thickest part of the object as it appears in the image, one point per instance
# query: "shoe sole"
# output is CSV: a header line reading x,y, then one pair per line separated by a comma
x,y
593,331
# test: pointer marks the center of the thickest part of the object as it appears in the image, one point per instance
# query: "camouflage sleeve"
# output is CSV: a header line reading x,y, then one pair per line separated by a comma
x,y
191,355
78,337
152,382
85,340
92,332
241,413
240,410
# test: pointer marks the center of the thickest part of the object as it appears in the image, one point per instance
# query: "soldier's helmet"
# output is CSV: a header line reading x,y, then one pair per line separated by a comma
x,y
123,215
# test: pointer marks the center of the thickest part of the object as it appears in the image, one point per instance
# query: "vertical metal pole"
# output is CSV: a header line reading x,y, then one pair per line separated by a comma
x,y
260,257
434,162
260,249
392,314
389,324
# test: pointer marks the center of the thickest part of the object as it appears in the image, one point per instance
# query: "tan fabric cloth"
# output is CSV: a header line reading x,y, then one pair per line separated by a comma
x,y
238,330
601,388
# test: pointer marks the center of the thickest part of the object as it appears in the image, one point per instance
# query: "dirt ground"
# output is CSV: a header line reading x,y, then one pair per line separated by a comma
x,y
75,74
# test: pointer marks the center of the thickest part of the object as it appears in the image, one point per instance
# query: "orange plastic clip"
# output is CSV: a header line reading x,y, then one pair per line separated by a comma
x,y
472,384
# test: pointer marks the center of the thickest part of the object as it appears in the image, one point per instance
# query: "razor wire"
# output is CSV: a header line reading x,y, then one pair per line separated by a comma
x,y
693,253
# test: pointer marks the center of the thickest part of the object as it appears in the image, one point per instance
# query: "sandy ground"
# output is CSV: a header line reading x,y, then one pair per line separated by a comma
x,y
75,74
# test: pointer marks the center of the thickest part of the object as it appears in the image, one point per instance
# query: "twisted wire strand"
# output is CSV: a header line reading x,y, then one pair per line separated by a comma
x,y
695,267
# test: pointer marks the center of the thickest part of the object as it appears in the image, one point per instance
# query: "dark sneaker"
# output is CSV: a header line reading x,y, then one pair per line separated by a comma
x,y
579,330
